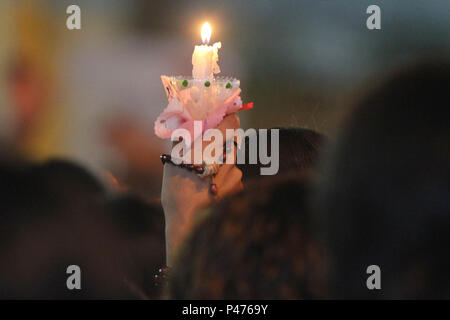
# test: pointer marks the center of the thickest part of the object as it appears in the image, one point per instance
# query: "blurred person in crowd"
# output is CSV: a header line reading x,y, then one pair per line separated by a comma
x,y
384,196
183,193
29,70
57,214
254,245
185,201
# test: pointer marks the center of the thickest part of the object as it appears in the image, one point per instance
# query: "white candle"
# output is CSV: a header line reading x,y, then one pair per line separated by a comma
x,y
205,57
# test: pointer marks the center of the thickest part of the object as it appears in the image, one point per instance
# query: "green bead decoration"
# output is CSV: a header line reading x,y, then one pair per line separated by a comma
x,y
228,86
185,83
207,84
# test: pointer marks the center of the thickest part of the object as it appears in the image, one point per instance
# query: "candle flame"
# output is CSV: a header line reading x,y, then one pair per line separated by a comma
x,y
206,33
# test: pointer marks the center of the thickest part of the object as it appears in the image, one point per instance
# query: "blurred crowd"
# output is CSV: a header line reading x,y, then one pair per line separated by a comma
x,y
375,195
364,153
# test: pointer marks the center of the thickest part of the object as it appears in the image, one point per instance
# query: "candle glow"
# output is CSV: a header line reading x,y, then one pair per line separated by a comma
x,y
206,33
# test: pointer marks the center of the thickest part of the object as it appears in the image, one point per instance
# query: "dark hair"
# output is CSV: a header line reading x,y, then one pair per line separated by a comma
x,y
254,245
51,189
299,150
64,175
383,199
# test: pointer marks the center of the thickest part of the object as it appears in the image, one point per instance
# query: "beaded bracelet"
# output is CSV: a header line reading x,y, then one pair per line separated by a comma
x,y
203,170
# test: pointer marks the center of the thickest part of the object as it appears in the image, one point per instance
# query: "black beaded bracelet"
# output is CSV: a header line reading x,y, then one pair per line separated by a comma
x,y
202,170
167,158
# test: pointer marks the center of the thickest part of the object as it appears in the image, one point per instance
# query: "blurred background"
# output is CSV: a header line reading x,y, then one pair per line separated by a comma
x,y
92,95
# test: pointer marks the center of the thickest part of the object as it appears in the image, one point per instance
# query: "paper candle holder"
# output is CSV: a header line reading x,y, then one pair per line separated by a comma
x,y
191,99
201,96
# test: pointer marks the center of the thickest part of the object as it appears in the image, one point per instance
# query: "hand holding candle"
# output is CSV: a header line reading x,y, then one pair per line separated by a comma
x,y
213,102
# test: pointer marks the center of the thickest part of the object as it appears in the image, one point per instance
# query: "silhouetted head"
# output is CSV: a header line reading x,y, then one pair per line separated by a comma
x,y
254,245
299,151
383,198
56,215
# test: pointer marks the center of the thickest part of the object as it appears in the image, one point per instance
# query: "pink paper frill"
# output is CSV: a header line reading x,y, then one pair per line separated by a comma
x,y
175,116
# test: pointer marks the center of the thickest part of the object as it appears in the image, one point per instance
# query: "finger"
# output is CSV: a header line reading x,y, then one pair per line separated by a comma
x,y
231,121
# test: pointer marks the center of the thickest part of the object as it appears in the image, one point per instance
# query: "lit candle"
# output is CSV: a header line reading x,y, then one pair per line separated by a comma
x,y
205,57
200,97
